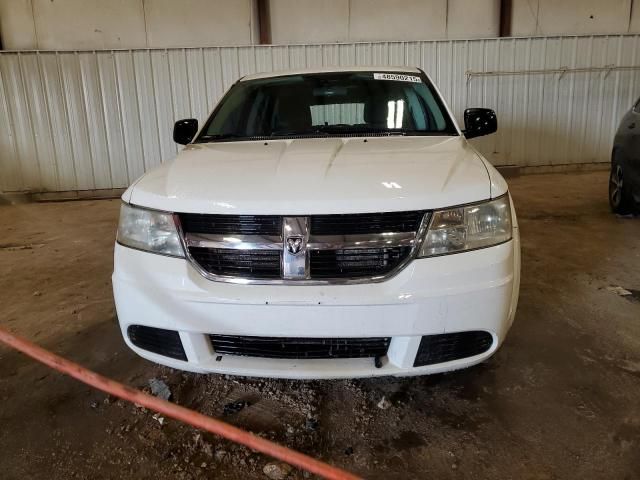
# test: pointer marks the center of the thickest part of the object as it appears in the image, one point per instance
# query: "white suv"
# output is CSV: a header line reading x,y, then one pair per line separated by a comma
x,y
321,224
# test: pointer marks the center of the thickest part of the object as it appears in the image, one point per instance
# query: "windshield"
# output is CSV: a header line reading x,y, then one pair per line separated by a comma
x,y
328,104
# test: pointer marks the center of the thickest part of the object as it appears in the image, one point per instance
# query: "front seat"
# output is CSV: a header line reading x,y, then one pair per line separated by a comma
x,y
376,113
292,115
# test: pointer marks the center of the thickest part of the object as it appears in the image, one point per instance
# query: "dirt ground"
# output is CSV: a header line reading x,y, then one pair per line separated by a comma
x,y
560,399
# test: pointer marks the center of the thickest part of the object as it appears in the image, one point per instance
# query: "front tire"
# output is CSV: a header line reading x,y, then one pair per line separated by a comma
x,y
618,192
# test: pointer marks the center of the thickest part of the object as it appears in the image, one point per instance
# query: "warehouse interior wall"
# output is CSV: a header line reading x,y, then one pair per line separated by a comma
x,y
577,17
96,120
104,110
99,24
304,21
370,20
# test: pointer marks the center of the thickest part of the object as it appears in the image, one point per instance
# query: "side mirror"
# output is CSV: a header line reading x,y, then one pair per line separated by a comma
x,y
479,122
185,130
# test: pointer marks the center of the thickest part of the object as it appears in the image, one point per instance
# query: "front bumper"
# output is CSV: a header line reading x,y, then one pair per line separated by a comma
x,y
476,290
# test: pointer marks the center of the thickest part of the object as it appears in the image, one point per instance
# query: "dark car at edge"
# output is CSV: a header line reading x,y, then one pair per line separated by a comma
x,y
624,180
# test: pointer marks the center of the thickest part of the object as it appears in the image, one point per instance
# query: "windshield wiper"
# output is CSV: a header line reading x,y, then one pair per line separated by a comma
x,y
218,136
293,133
366,129
358,129
320,131
327,130
353,129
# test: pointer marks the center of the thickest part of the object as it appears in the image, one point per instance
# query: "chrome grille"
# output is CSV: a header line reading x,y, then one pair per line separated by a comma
x,y
349,248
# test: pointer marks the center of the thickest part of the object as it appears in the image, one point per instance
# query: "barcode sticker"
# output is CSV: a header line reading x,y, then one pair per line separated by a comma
x,y
397,77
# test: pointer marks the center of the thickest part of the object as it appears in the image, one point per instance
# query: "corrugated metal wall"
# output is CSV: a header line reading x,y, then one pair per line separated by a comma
x,y
99,119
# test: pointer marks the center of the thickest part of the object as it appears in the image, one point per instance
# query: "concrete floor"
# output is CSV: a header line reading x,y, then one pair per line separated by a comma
x,y
561,399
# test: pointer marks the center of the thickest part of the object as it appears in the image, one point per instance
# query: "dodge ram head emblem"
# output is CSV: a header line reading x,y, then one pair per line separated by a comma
x,y
294,245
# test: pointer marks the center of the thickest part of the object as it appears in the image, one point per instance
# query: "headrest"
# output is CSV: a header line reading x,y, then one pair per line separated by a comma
x,y
292,114
375,113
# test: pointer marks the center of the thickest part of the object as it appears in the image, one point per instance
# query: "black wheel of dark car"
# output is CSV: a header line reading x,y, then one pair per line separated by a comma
x,y
618,197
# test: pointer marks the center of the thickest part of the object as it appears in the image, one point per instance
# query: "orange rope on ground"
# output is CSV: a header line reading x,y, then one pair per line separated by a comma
x,y
172,410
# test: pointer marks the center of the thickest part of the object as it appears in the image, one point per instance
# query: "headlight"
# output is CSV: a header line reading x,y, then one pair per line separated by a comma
x,y
467,228
149,230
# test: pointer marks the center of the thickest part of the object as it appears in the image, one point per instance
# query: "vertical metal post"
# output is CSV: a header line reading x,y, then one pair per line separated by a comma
x,y
264,22
506,15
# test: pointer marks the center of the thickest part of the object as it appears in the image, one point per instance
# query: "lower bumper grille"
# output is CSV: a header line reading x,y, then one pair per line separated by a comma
x,y
157,340
300,348
355,263
451,346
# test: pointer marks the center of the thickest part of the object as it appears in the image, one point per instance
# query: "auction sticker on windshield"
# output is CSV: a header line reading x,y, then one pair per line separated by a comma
x,y
396,77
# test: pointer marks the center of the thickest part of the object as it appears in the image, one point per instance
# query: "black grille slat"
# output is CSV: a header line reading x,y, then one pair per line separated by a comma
x,y
157,340
451,346
231,340
335,224
231,224
354,263
243,263
364,223
300,348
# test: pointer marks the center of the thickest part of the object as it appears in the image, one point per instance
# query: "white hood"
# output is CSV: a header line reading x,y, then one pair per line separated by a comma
x,y
317,176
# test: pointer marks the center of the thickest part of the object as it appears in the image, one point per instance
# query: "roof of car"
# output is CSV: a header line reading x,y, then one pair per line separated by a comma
x,y
303,71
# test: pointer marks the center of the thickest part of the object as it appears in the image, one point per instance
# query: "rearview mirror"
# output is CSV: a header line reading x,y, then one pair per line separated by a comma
x,y
184,130
479,122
